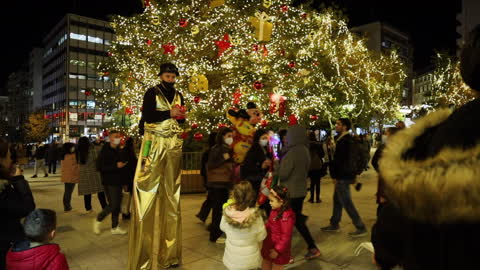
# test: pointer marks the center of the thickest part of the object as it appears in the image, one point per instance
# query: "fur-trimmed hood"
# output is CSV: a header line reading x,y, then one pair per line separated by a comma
x,y
442,189
241,219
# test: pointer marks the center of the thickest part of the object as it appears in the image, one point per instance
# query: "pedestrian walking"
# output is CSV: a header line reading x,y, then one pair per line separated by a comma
x,y
243,225
293,174
52,156
128,156
89,177
315,173
40,154
343,170
220,177
110,166
207,204
276,249
70,174
16,201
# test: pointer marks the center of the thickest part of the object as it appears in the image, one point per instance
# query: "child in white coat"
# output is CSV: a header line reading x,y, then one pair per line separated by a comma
x,y
243,224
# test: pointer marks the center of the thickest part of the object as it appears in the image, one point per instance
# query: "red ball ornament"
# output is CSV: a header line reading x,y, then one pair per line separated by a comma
x,y
149,42
197,100
222,125
88,93
258,85
284,8
291,64
110,53
255,47
194,126
184,135
264,123
198,137
183,23
313,117
304,15
315,63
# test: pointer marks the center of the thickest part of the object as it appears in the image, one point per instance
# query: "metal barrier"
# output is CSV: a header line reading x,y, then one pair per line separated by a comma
x,y
192,181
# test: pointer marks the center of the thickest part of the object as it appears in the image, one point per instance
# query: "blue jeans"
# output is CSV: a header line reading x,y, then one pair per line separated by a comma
x,y
343,199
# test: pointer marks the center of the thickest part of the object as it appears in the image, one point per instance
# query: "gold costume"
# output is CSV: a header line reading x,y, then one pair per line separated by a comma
x,y
155,227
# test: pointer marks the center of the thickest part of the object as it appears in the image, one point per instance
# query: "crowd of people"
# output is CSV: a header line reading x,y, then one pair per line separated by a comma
x,y
428,190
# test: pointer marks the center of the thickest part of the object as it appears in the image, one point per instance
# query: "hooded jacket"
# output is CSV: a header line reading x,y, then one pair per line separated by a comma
x,y
294,166
44,257
244,230
431,174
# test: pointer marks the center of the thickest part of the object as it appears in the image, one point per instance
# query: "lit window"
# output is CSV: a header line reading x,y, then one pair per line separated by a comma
x,y
105,78
95,40
107,42
90,104
78,36
62,39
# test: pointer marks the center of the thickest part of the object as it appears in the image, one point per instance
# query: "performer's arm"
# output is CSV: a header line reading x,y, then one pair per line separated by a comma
x,y
150,113
181,121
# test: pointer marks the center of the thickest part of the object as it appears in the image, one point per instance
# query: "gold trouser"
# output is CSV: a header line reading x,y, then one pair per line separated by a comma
x,y
155,226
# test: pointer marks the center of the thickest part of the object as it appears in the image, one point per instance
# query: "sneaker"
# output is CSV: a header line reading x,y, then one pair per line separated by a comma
x,y
198,216
331,228
46,175
118,231
310,201
358,233
312,253
96,226
35,176
68,209
319,200
221,240
125,216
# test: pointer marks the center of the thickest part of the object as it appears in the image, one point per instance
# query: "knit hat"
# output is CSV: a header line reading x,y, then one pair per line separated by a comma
x,y
168,68
470,60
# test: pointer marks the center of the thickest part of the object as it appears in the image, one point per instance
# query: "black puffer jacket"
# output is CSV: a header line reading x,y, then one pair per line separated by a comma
x,y
107,159
432,182
16,202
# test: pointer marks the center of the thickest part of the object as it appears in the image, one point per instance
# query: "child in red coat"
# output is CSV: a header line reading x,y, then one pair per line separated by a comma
x,y
37,253
276,247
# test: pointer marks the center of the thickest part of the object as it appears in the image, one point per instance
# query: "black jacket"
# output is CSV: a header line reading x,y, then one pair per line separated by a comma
x,y
216,159
52,152
16,202
108,158
149,111
343,165
251,169
128,172
432,184
41,152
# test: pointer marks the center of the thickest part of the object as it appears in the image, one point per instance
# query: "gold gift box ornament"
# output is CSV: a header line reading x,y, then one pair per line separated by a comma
x,y
198,83
263,28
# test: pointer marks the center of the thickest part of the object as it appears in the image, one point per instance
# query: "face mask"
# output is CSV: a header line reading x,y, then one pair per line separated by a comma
x,y
168,84
229,141
72,149
263,142
116,141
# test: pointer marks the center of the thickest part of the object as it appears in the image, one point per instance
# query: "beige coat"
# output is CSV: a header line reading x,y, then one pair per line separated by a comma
x,y
70,169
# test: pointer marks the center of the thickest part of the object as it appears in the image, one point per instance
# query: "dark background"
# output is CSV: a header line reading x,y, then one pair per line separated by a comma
x,y
431,25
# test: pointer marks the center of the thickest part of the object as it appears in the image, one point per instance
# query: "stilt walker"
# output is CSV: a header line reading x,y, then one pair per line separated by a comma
x,y
155,227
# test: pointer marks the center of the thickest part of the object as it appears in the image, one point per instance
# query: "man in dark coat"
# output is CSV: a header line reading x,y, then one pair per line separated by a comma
x,y
431,173
343,169
52,157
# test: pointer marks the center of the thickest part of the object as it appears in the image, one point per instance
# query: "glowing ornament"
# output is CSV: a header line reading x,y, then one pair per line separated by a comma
x,y
194,126
198,137
313,117
258,85
197,100
195,30
284,8
183,23
169,48
155,20
263,28
198,83
291,64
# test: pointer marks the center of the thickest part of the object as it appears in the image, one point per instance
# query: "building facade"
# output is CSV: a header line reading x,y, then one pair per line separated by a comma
x,y
423,85
20,102
468,18
3,116
35,75
72,51
382,37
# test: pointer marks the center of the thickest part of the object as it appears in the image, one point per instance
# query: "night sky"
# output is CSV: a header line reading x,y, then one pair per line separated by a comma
x,y
431,26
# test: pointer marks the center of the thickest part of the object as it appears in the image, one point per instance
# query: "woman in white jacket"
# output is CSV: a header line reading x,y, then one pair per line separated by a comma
x,y
243,224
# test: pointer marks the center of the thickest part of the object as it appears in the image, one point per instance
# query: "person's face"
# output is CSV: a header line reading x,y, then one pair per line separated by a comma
x,y
339,127
228,135
168,77
114,136
274,201
264,137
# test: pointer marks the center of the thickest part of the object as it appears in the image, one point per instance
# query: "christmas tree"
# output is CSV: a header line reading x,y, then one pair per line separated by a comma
x,y
288,60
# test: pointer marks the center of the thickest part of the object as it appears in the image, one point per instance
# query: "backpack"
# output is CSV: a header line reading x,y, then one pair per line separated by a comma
x,y
360,158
